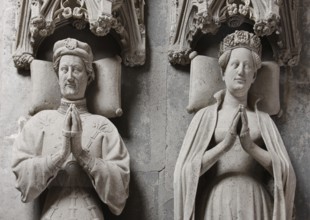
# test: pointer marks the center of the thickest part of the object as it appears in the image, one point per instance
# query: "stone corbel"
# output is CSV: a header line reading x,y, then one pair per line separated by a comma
x,y
275,19
40,18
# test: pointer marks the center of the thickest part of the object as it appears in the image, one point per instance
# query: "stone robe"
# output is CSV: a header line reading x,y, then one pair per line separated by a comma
x,y
74,192
196,142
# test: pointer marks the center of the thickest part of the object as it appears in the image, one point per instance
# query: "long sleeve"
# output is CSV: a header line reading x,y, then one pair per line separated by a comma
x,y
110,173
32,170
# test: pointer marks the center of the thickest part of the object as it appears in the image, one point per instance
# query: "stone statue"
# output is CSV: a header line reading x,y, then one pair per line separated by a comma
x,y
78,158
232,150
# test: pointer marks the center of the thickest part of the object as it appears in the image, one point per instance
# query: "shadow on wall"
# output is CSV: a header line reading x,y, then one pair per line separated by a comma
x,y
135,205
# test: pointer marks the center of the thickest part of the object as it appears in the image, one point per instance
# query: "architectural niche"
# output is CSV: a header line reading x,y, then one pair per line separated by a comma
x,y
275,19
40,18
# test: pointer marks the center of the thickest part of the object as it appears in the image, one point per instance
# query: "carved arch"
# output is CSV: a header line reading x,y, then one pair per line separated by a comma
x,y
274,18
40,18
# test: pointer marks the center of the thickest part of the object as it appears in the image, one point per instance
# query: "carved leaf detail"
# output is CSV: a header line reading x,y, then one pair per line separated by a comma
x,y
40,18
269,17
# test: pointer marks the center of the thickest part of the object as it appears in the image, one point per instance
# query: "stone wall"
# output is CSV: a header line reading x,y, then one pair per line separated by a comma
x,y
155,120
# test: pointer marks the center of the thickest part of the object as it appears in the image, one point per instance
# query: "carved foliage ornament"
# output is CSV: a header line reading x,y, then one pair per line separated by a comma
x,y
40,18
241,39
191,17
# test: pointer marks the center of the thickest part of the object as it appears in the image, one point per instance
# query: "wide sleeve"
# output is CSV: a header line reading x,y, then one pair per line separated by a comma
x,y
32,170
283,172
110,174
188,165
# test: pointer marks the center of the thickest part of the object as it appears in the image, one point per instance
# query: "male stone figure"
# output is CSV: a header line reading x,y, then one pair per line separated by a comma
x,y
231,147
78,157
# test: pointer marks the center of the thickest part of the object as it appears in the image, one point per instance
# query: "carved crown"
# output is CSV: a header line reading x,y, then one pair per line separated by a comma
x,y
241,39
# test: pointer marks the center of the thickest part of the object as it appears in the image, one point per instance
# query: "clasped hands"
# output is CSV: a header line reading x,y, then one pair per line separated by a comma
x,y
72,132
244,133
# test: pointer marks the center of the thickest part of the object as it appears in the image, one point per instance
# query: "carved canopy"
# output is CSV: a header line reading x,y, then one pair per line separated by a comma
x,y
275,19
40,18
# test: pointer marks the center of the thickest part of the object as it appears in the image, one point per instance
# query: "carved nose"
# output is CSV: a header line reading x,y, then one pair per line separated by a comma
x,y
240,69
70,76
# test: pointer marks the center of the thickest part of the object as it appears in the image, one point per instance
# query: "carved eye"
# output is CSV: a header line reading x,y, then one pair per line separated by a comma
x,y
234,65
64,69
247,66
77,69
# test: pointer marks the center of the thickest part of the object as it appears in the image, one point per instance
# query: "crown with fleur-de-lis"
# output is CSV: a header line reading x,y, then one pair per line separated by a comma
x,y
241,39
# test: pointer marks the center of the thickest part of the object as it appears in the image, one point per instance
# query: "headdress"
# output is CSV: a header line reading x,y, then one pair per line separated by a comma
x,y
241,39
71,46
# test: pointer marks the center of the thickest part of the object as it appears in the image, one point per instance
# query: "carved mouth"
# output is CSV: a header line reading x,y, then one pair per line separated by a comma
x,y
70,85
240,79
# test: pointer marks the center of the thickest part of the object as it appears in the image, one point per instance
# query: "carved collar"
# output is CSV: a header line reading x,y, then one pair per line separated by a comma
x,y
253,98
80,105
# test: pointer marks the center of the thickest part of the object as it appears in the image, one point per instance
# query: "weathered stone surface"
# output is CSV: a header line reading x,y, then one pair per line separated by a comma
x,y
143,201
9,115
294,126
177,121
154,100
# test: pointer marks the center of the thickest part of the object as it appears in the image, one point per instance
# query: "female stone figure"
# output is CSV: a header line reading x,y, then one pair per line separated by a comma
x,y
79,157
230,147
